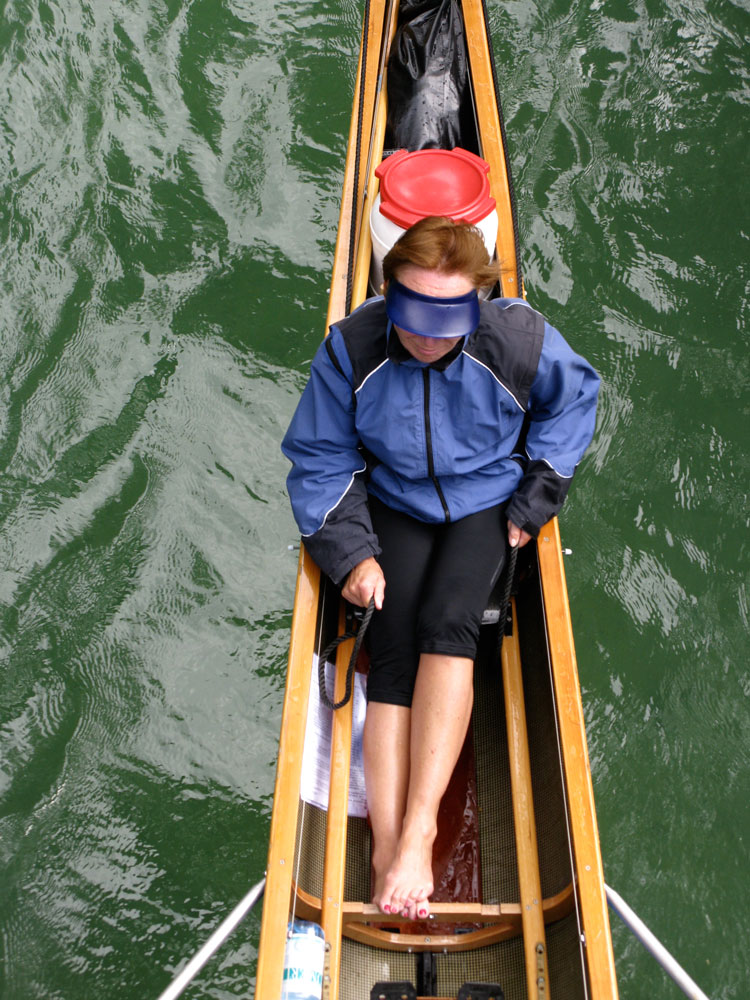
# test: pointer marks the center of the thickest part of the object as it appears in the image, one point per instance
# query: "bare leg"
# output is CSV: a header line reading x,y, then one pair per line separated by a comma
x,y
440,713
385,744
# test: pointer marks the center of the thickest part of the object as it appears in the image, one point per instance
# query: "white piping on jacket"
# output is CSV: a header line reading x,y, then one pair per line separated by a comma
x,y
505,387
384,362
332,509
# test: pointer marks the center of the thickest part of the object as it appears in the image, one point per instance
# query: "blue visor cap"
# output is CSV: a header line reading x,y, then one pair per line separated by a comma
x,y
431,316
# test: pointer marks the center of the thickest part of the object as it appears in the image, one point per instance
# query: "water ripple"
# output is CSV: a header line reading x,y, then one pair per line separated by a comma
x,y
168,207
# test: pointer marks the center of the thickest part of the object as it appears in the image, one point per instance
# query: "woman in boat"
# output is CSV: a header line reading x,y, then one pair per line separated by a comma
x,y
435,430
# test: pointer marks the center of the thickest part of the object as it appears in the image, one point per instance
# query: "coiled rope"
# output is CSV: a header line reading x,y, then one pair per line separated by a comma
x,y
358,634
510,573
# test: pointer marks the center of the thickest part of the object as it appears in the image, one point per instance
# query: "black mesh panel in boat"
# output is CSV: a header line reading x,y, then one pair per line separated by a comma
x,y
363,966
496,837
546,774
499,870
310,849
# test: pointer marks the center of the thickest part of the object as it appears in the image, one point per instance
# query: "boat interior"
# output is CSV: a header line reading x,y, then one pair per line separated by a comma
x,y
475,932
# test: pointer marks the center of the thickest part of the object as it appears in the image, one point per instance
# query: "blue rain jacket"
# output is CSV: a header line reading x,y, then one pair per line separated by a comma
x,y
506,416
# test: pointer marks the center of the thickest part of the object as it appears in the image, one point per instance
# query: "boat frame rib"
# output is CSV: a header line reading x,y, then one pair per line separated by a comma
x,y
527,850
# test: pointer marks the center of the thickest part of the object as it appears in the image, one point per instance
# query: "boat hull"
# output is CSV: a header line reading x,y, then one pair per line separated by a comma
x,y
539,925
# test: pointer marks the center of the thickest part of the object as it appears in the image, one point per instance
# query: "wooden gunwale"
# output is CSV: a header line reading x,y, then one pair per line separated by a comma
x,y
364,250
334,867
567,692
491,142
280,866
354,187
579,786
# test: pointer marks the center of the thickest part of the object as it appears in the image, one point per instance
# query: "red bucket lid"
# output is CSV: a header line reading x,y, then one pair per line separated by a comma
x,y
446,182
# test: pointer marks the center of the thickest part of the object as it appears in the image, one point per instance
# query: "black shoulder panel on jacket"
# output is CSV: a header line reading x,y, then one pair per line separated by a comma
x,y
509,341
364,334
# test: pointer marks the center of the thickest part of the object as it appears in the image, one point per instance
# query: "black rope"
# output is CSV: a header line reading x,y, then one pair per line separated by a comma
x,y
358,634
510,573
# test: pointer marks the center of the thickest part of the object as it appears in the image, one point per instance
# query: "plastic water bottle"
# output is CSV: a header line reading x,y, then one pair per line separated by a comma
x,y
303,962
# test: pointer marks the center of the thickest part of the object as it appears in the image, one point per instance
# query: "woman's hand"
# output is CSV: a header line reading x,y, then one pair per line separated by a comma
x,y
517,537
365,581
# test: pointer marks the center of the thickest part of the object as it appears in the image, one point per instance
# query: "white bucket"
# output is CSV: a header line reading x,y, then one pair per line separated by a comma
x,y
451,183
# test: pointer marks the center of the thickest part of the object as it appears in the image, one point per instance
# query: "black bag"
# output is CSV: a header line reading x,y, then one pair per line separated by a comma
x,y
429,89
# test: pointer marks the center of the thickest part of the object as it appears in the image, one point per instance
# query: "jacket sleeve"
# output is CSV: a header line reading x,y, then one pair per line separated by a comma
x,y
562,417
326,484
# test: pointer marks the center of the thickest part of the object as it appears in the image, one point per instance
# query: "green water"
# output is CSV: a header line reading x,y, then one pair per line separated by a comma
x,y
170,178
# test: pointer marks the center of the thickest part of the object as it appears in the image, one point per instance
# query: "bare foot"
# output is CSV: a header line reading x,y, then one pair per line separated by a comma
x,y
383,855
408,884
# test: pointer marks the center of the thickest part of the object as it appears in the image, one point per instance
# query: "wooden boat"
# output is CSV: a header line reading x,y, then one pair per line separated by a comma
x,y
538,923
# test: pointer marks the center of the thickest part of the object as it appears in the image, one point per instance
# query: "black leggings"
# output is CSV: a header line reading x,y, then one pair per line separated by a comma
x,y
438,578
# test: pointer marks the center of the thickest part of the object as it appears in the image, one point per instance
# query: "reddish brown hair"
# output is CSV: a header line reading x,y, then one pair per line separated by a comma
x,y
440,244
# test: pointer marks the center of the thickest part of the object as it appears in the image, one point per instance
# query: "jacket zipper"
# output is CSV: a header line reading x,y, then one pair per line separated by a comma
x,y
428,437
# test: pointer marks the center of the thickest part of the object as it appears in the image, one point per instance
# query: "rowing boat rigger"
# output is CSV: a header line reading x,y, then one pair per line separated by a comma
x,y
519,909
